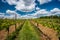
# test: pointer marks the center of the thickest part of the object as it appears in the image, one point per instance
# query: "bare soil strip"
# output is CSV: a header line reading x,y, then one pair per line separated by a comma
x,y
52,35
42,35
12,27
4,33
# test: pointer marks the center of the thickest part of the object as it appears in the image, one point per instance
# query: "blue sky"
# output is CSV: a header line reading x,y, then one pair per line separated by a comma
x,y
29,8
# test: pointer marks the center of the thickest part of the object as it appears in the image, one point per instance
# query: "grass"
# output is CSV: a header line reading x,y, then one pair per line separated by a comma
x,y
28,32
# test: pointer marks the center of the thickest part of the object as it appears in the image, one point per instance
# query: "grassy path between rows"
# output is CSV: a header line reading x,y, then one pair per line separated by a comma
x,y
28,32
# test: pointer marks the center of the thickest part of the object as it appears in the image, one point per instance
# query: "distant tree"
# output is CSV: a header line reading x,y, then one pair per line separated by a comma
x,y
52,16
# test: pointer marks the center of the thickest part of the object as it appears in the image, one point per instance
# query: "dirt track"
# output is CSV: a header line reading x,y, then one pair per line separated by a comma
x,y
52,35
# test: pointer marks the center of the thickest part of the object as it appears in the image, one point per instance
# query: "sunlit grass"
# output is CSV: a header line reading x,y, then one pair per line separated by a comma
x,y
28,32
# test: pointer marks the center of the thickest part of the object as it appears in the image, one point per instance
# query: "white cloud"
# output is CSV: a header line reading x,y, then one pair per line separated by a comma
x,y
27,16
11,2
37,8
23,5
39,13
1,15
44,1
55,10
9,17
24,8
44,12
12,14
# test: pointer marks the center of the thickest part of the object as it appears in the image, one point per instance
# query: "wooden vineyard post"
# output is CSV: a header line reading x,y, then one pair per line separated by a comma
x,y
7,33
15,26
15,21
37,25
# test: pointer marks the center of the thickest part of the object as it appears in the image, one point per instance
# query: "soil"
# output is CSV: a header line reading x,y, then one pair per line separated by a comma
x,y
47,33
4,33
12,27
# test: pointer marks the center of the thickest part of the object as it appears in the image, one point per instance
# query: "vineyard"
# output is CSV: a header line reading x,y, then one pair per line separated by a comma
x,y
30,29
51,23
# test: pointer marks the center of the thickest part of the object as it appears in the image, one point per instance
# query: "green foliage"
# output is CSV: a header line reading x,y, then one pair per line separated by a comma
x,y
53,23
52,16
5,23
